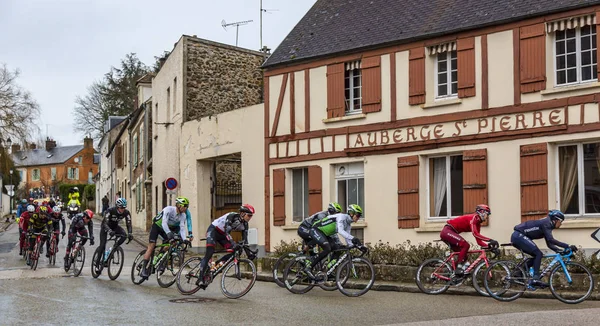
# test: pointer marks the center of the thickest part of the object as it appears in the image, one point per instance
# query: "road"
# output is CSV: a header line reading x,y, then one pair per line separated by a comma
x,y
50,296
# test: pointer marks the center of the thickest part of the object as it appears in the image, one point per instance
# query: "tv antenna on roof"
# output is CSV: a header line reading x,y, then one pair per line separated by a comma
x,y
237,27
268,11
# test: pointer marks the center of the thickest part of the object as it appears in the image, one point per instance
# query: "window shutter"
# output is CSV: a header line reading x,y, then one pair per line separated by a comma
x,y
597,41
416,76
279,197
315,185
475,190
371,84
534,181
408,192
532,55
465,58
76,173
336,99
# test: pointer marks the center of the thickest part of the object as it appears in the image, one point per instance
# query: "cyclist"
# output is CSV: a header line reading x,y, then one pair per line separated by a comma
x,y
304,228
21,208
538,229
466,223
78,224
74,196
169,220
110,223
322,233
24,225
219,231
39,223
57,219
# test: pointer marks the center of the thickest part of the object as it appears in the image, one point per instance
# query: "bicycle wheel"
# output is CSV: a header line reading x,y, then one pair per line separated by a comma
x,y
115,263
355,278
79,261
166,272
97,262
238,278
279,266
505,280
294,278
433,276
581,281
329,284
53,251
188,275
478,279
36,255
136,269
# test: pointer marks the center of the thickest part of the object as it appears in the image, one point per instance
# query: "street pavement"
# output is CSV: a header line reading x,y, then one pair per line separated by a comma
x,y
51,296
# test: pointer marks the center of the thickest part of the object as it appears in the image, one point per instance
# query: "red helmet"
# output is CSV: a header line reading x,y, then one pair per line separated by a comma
x,y
482,208
89,213
44,203
30,199
247,208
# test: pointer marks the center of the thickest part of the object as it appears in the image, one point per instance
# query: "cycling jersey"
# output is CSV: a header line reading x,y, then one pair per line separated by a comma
x,y
78,224
309,221
336,223
168,218
469,223
57,219
112,217
538,229
39,221
231,222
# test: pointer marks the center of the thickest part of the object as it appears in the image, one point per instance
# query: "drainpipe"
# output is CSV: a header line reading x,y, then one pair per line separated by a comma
x,y
130,153
145,162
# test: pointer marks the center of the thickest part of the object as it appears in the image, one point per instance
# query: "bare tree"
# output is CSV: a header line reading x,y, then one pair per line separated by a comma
x,y
18,110
91,111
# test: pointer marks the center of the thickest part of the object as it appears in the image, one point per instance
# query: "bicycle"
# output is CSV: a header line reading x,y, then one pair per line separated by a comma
x,y
436,271
346,268
114,258
279,267
53,248
34,256
166,263
76,256
513,278
241,269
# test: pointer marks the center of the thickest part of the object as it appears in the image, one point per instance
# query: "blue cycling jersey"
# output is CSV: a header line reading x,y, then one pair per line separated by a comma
x,y
541,229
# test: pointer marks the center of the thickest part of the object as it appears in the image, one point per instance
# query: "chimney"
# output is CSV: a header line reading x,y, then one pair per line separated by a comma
x,y
50,144
88,143
32,146
15,148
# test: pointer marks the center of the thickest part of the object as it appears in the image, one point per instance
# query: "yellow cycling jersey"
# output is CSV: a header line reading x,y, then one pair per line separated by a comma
x,y
38,221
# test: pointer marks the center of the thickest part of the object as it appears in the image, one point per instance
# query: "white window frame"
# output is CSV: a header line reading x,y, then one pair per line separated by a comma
x,y
304,191
580,179
53,174
449,71
73,173
33,174
449,215
350,74
346,177
577,58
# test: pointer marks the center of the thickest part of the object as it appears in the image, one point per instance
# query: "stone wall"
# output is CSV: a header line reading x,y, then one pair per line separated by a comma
x,y
220,78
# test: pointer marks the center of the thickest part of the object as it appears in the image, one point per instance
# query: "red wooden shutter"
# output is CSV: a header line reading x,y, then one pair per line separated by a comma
x,y
371,84
475,190
336,98
315,184
279,197
534,181
416,76
408,192
532,56
465,58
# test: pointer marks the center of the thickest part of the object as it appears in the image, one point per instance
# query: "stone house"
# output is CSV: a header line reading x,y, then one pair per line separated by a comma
x,y
105,181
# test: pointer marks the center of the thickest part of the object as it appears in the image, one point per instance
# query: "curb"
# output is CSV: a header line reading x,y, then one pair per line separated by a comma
x,y
6,226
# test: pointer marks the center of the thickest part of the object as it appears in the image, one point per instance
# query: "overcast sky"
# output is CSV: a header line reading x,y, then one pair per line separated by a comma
x,y
62,46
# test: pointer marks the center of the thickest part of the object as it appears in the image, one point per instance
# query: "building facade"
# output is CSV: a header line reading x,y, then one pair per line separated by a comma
x,y
421,126
106,174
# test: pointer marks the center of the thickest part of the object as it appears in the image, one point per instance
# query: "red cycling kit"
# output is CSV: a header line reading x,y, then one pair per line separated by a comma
x,y
466,223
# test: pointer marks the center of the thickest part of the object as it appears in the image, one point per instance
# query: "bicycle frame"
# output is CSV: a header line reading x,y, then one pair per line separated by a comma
x,y
557,258
113,247
347,252
450,260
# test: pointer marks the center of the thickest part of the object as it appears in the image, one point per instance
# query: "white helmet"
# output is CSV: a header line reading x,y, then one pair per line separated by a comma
x,y
30,208
56,209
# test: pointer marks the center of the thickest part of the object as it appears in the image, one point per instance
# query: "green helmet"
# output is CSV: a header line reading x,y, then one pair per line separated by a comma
x,y
24,201
334,208
354,208
182,201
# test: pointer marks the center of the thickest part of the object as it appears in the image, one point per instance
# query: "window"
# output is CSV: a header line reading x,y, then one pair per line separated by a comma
x,y
168,102
299,194
350,185
135,150
35,175
141,140
53,173
174,95
73,173
446,74
353,89
80,159
446,186
575,51
579,179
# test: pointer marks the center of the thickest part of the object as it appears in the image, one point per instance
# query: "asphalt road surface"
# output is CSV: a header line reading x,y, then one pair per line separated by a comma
x,y
51,296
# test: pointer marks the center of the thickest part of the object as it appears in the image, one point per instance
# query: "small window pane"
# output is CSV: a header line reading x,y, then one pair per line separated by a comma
x,y
561,77
594,58
568,180
298,194
361,194
571,60
571,75
356,81
442,90
571,45
560,47
560,35
591,163
341,192
456,185
560,62
352,191
453,54
586,58
570,33
442,79
585,43
438,186
594,72
585,30
454,76
593,42
347,82
454,88
442,66
586,73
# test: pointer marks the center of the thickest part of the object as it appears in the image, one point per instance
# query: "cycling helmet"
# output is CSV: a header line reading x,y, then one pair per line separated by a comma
x,y
30,199
334,208
482,208
88,213
76,189
24,201
45,203
121,202
56,209
182,201
354,208
556,215
43,209
30,208
247,208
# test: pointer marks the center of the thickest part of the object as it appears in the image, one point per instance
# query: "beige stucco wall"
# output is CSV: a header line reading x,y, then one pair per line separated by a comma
x,y
238,131
500,69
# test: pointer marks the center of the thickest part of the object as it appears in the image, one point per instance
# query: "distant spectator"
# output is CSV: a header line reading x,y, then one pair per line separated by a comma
x,y
104,204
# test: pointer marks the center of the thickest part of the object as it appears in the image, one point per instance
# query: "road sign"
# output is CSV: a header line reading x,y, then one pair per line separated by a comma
x,y
11,193
171,192
171,183
9,188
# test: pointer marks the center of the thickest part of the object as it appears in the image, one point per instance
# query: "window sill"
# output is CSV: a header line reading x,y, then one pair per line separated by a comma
x,y
581,223
563,89
359,225
442,102
431,227
346,117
